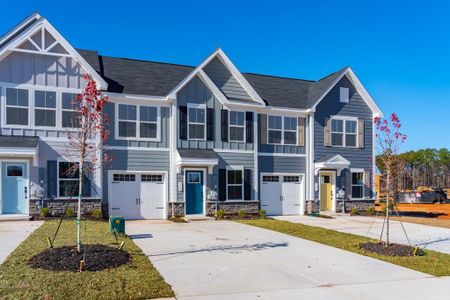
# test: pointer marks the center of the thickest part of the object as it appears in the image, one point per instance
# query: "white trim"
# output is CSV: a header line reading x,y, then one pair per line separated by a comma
x,y
235,168
22,152
361,171
109,147
335,162
281,154
359,87
138,122
135,97
19,26
311,157
204,124
344,132
203,188
255,155
243,126
110,177
283,130
27,201
218,150
333,188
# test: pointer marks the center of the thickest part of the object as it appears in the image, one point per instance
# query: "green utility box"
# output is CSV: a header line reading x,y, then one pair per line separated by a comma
x,y
117,224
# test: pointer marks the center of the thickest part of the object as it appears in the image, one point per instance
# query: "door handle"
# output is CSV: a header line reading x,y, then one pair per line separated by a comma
x,y
281,198
26,192
137,201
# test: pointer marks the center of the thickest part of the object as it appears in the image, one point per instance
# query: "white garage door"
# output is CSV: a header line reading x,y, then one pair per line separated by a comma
x,y
137,196
282,194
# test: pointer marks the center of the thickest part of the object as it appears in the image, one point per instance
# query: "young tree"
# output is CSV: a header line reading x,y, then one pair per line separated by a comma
x,y
87,138
389,140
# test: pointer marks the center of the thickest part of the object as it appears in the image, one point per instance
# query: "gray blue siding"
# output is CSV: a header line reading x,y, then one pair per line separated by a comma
x,y
282,164
198,93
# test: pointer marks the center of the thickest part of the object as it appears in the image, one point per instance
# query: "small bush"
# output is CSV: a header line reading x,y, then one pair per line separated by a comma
x,y
370,211
96,214
70,213
44,212
354,212
262,213
241,214
178,220
220,214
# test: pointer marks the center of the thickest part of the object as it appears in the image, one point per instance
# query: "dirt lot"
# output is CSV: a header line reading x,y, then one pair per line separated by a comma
x,y
426,214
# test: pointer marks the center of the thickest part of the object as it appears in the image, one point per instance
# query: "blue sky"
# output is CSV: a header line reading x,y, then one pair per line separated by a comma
x,y
400,50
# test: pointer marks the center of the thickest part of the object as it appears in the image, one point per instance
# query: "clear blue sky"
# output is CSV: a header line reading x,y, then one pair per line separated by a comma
x,y
400,50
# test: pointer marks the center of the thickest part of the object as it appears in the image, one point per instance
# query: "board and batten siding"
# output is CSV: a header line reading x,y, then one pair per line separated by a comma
x,y
43,70
225,81
271,148
136,160
163,128
356,107
196,92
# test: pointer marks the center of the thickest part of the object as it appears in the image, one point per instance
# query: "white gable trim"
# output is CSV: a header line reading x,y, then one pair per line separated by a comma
x,y
335,162
43,23
19,26
359,87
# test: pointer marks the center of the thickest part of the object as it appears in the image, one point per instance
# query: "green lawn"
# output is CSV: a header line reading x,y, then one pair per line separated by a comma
x,y
434,263
136,280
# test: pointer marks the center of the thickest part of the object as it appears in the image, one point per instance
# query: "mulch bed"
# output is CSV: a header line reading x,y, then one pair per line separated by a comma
x,y
98,257
391,250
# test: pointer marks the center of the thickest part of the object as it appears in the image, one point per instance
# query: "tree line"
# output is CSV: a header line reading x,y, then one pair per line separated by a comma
x,y
425,167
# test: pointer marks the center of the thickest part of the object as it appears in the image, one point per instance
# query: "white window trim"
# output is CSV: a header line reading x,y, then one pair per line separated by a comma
x,y
344,133
196,106
138,122
59,160
362,185
31,105
282,130
342,91
58,98
235,168
66,110
236,126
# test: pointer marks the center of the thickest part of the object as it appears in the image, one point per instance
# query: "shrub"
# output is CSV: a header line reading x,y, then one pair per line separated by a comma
x,y
354,212
70,213
241,214
220,214
44,212
96,214
370,211
262,213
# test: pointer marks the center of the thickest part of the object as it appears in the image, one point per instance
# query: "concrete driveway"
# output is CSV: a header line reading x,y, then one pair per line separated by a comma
x,y
226,260
428,237
12,233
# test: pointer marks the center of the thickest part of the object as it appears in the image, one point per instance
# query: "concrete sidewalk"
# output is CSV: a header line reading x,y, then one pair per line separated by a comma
x,y
227,260
428,237
12,233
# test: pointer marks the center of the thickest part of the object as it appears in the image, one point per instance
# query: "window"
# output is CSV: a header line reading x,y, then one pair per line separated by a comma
x,y
344,132
16,107
148,124
270,178
124,177
14,171
193,177
237,126
69,116
344,94
282,130
196,123
68,179
234,184
358,185
275,130
291,178
44,108
290,130
151,178
127,120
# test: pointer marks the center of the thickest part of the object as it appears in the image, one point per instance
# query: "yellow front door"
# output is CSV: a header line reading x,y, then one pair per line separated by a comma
x,y
326,193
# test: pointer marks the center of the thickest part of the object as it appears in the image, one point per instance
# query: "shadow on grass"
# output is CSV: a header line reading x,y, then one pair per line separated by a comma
x,y
229,249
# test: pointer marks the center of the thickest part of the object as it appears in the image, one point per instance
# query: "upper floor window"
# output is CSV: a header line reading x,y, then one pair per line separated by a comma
x,y
344,132
137,122
196,122
344,94
282,130
17,106
44,108
237,126
69,116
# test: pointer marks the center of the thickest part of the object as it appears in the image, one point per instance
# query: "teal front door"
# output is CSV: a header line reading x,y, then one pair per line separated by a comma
x,y
194,192
14,187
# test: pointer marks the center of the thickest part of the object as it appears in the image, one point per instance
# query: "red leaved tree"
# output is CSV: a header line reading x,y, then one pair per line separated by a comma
x,y
389,139
88,137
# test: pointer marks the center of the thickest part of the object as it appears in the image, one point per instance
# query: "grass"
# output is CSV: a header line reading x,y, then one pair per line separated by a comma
x,y
136,280
434,263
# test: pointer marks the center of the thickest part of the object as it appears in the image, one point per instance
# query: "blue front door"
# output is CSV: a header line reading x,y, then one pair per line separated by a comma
x,y
14,187
194,192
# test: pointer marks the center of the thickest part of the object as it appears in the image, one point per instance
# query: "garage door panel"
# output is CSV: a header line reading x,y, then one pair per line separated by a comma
x,y
271,200
281,194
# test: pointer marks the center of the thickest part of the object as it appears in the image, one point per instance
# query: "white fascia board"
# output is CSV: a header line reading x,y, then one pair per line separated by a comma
x,y
22,153
359,87
239,77
197,161
19,26
138,99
